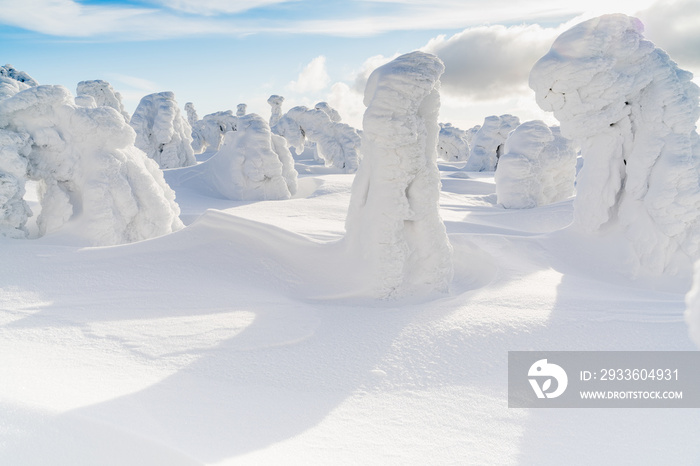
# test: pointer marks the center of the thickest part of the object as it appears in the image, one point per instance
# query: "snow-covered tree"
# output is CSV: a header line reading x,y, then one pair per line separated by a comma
x,y
91,173
452,143
487,145
14,212
275,102
241,109
538,167
208,133
393,222
103,94
191,112
337,144
12,81
162,132
328,110
633,113
252,164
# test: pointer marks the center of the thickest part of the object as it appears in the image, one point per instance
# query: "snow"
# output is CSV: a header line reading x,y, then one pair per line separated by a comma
x,y
103,95
487,143
538,167
633,113
12,81
252,164
337,144
192,116
393,221
275,102
208,133
162,132
692,314
241,110
453,145
92,178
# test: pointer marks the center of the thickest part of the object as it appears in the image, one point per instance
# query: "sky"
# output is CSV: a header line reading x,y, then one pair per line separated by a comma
x,y
220,53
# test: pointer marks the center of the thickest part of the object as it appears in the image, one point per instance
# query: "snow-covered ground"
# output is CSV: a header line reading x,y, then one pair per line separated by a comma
x,y
240,340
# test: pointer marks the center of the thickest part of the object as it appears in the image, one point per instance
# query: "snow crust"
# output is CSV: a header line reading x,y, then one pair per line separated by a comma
x,y
487,144
252,164
208,133
103,95
453,144
162,132
337,144
538,167
393,220
89,170
633,113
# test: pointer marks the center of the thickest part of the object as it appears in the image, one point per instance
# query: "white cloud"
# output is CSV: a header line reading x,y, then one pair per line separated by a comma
x,y
313,77
212,7
675,27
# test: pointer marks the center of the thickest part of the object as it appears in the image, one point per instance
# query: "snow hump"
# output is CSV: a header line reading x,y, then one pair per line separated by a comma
x,y
162,132
633,113
90,172
393,221
538,167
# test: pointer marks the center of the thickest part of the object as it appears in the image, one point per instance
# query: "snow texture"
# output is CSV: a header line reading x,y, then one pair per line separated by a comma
x,y
252,165
192,116
633,113
89,169
328,110
275,102
393,221
12,81
538,167
103,94
337,144
14,211
241,109
692,313
487,145
162,132
453,145
208,133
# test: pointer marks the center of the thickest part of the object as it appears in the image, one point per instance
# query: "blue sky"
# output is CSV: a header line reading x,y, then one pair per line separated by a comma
x,y
219,53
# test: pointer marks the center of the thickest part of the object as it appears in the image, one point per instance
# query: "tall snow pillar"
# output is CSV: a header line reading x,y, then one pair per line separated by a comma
x,y
275,102
393,222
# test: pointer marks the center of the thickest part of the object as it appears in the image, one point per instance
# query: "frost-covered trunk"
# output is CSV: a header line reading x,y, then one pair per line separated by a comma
x,y
393,222
633,113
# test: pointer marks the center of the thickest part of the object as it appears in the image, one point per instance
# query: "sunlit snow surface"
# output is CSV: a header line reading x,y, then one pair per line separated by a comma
x,y
244,339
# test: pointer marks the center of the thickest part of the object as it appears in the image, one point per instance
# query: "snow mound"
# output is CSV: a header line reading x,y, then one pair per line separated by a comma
x,y
453,145
487,144
393,221
633,113
208,133
89,169
252,165
275,102
692,313
161,131
337,144
538,167
12,81
104,95
14,211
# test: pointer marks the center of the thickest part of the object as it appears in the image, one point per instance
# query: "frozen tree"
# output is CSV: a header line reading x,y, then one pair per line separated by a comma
x,y
252,164
470,133
14,148
337,144
633,113
393,221
488,141
241,109
452,143
12,81
192,116
90,172
161,131
692,312
275,102
328,110
538,167
103,94
208,133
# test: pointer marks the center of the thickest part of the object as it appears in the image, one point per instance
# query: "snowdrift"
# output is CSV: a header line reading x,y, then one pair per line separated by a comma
x,y
633,113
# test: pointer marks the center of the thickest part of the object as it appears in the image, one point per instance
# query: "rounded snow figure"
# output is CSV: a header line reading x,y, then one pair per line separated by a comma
x,y
633,113
393,222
